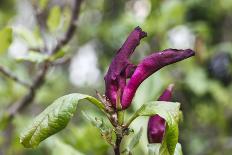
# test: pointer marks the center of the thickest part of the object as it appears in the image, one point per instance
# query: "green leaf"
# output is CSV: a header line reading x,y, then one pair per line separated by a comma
x,y
106,132
168,110
54,118
171,113
134,141
5,39
34,57
43,4
153,149
178,150
61,53
54,18
99,123
170,139
61,147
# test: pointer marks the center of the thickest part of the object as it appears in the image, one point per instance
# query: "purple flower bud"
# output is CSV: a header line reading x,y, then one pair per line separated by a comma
x,y
156,124
148,66
121,68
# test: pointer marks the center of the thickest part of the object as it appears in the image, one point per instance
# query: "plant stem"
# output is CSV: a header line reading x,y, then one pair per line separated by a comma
x,y
117,144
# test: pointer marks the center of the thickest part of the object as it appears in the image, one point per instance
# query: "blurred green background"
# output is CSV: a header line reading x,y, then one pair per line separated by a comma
x,y
202,84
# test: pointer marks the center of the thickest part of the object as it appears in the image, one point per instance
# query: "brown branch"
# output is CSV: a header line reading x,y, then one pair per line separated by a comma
x,y
40,77
41,16
117,144
71,28
28,98
10,75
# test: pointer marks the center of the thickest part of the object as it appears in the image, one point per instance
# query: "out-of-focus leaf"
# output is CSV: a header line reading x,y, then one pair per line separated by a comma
x,y
4,118
54,18
134,141
34,57
58,54
61,147
54,118
199,86
43,4
31,39
171,113
5,39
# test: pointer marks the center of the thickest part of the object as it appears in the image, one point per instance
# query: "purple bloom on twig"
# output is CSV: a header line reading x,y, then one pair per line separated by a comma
x,y
121,68
156,124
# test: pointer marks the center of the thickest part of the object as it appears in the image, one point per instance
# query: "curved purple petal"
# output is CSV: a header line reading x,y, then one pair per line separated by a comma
x,y
156,124
121,68
148,66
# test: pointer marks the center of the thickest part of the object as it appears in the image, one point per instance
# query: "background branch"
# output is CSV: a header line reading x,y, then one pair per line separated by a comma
x,y
13,77
41,74
71,28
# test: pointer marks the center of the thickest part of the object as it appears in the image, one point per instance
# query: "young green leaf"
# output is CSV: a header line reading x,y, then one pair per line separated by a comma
x,y
54,18
34,57
43,4
5,39
134,141
167,110
54,118
153,148
171,113
170,139
106,132
178,150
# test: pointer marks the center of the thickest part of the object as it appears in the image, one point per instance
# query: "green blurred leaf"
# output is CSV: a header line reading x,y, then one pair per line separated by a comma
x,y
4,120
43,4
134,141
54,18
61,147
5,39
53,119
34,57
58,54
29,36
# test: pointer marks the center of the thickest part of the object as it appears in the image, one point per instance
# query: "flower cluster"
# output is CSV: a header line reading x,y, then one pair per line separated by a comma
x,y
122,69
123,78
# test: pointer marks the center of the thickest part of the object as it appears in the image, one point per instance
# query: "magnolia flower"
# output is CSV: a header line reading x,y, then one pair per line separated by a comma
x,y
121,68
156,124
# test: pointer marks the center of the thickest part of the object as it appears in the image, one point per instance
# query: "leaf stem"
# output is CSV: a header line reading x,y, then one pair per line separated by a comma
x,y
120,114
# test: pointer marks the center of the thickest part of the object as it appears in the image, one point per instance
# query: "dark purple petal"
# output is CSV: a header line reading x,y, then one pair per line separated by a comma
x,y
148,66
120,67
156,124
